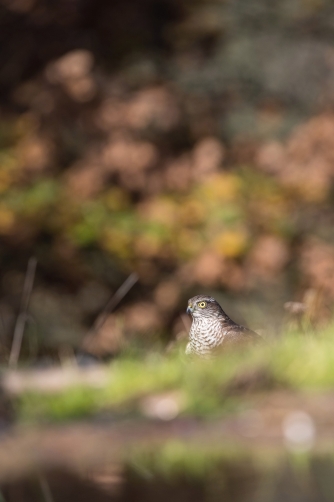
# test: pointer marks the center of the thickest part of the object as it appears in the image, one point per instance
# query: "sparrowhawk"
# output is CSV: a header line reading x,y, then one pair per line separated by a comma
x,y
212,329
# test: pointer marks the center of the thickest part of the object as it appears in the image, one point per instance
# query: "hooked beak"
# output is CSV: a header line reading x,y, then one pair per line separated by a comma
x,y
189,309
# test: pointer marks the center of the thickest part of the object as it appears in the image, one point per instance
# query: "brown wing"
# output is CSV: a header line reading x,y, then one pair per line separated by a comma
x,y
239,335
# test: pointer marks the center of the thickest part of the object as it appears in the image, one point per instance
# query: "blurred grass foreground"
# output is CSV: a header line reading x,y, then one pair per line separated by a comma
x,y
237,426
180,148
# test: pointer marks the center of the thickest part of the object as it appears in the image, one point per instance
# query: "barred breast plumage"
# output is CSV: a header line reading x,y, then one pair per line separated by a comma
x,y
212,329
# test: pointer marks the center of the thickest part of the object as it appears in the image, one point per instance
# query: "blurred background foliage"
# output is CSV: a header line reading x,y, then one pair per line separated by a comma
x,y
190,142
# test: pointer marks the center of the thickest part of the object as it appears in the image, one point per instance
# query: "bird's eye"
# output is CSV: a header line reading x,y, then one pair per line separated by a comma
x,y
202,305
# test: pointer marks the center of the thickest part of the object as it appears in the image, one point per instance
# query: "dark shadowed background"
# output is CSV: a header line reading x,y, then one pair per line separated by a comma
x,y
191,142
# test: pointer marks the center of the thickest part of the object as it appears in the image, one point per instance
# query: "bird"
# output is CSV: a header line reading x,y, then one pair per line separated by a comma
x,y
212,329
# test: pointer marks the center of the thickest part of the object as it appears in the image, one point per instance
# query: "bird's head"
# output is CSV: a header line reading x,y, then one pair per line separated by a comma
x,y
204,306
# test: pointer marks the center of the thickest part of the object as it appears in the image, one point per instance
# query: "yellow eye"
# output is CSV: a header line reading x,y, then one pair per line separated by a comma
x,y
202,305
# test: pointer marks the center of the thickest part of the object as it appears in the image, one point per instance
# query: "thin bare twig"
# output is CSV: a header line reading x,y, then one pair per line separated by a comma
x,y
22,317
114,301
45,488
